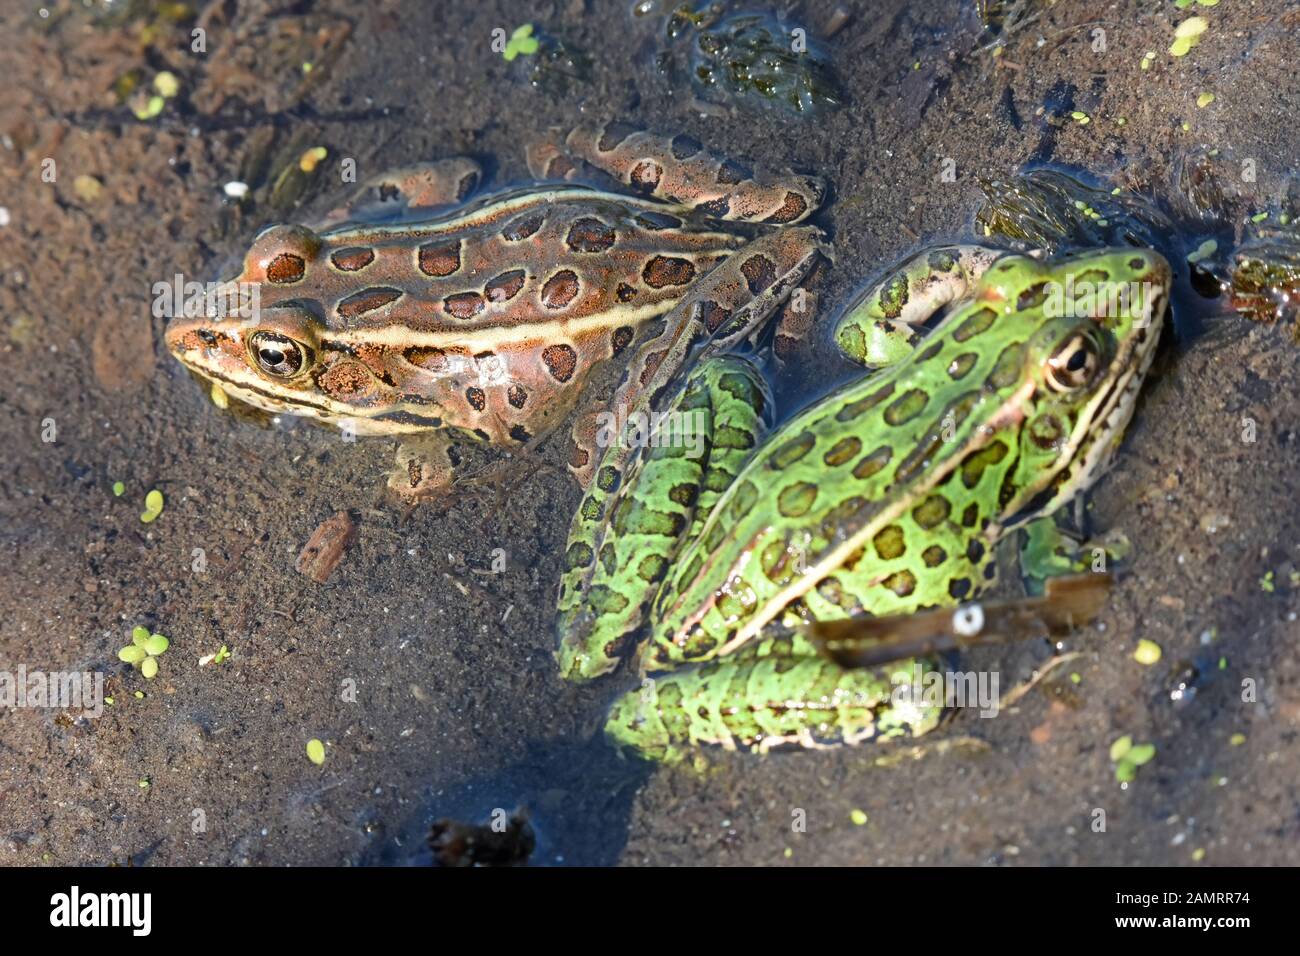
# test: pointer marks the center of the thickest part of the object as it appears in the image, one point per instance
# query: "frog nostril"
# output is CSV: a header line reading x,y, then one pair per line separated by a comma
x,y
207,336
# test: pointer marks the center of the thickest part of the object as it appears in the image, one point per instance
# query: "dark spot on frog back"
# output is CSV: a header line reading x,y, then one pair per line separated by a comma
x,y
560,289
560,361
367,300
285,269
353,258
590,235
523,226
440,259
661,271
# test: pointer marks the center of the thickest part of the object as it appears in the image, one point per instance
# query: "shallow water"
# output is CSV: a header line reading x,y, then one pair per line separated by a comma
x,y
458,709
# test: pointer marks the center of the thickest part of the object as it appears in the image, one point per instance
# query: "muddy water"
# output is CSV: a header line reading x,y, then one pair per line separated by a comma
x,y
429,677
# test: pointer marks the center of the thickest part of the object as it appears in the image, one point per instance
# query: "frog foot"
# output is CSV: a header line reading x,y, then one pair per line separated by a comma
x,y
425,468
882,327
1049,551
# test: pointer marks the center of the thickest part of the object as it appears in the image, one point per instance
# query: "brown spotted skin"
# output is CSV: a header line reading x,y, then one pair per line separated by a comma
x,y
723,310
413,190
679,169
485,320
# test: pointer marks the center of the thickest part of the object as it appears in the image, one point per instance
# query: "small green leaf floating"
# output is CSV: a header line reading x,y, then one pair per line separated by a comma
x,y
144,650
132,654
1129,756
153,506
316,752
1120,747
521,41
1140,754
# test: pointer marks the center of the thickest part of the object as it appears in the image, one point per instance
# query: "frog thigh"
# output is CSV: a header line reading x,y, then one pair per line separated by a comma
x,y
680,170
627,533
725,306
396,193
879,328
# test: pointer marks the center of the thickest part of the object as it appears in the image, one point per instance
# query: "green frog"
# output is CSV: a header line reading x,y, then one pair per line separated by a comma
x,y
700,558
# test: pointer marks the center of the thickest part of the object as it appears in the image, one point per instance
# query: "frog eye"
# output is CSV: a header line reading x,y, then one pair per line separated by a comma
x,y
1074,363
277,354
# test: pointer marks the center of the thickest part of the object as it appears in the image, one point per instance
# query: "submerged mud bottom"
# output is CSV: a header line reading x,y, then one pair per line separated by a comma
x,y
459,708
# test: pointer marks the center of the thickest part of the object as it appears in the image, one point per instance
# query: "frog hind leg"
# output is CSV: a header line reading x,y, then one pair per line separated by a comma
x,y
626,533
773,692
410,191
724,307
680,170
793,325
882,327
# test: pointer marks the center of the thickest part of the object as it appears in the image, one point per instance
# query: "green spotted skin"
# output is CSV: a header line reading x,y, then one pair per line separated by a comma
x,y
880,331
772,691
887,496
722,406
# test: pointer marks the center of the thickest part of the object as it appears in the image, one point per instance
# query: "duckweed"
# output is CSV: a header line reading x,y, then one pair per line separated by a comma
x,y
1128,756
166,84
1187,35
143,652
521,42
1148,652
153,506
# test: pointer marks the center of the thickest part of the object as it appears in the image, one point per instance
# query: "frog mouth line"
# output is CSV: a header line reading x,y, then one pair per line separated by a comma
x,y
390,420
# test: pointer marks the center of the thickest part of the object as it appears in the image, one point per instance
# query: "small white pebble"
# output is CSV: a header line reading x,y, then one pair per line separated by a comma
x,y
4,216
235,189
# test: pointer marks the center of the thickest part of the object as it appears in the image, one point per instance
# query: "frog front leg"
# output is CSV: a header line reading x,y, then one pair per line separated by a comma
x,y
627,532
425,466
410,190
1048,550
883,327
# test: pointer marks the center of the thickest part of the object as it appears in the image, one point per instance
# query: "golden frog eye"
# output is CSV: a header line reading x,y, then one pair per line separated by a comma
x,y
277,355
1074,364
